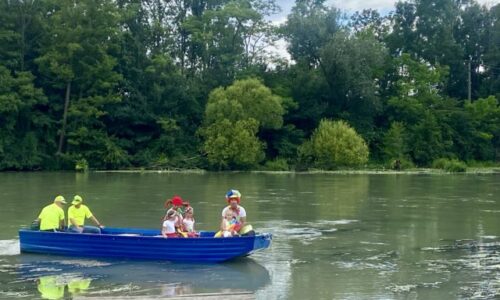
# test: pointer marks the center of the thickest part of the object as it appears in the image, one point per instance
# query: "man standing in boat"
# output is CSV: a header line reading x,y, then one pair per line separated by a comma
x,y
77,213
52,216
233,198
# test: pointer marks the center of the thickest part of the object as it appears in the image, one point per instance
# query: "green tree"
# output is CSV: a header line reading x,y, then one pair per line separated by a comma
x,y
491,82
394,142
309,27
233,144
245,99
421,107
75,59
425,29
335,144
484,116
352,66
223,37
249,105
23,127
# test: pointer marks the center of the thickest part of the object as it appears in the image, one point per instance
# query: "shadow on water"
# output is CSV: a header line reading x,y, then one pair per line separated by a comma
x,y
56,277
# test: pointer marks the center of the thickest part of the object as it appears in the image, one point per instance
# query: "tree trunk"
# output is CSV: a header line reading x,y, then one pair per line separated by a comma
x,y
65,117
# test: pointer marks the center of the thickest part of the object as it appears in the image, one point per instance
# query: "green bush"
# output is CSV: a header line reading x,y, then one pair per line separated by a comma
x,y
279,164
455,165
401,164
482,164
334,144
440,163
81,165
450,165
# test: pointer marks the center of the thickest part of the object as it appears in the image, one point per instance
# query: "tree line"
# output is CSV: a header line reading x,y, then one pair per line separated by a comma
x,y
113,84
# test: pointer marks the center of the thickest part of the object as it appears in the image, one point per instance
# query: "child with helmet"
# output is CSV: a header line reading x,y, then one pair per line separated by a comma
x,y
233,198
234,209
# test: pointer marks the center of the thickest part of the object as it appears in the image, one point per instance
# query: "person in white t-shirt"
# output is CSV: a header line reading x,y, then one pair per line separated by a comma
x,y
168,228
233,198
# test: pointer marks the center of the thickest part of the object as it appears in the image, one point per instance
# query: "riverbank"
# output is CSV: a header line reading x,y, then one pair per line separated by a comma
x,y
483,170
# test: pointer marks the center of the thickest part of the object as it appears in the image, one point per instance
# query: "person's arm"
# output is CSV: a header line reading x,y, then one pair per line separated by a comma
x,y
94,219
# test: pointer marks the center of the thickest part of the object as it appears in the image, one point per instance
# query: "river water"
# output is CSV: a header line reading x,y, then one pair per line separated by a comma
x,y
382,236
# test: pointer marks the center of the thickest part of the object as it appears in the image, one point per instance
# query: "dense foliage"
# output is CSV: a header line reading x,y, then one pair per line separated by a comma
x,y
194,84
334,144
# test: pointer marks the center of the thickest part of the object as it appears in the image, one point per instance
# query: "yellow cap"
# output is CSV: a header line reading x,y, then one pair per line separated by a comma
x,y
77,200
60,199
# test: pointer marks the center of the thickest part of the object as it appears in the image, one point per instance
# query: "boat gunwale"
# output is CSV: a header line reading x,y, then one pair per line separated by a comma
x,y
156,237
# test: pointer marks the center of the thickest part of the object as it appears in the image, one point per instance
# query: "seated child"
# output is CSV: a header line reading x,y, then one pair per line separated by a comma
x,y
229,225
188,223
168,229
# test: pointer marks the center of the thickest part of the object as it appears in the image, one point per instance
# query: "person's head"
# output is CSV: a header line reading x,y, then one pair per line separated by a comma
x,y
229,215
189,212
171,214
77,201
59,201
233,197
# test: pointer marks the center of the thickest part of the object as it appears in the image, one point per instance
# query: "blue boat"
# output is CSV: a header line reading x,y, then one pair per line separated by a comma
x,y
137,243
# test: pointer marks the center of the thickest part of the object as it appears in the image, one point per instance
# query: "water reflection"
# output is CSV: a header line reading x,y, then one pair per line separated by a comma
x,y
53,274
53,286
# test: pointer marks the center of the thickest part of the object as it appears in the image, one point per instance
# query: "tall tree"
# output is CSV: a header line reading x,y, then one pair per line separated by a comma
x,y
24,128
491,83
75,60
309,27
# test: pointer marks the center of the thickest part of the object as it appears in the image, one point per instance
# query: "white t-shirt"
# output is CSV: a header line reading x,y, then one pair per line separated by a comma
x,y
242,213
169,226
188,224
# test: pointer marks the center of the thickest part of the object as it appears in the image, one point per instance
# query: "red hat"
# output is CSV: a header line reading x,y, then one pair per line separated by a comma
x,y
177,200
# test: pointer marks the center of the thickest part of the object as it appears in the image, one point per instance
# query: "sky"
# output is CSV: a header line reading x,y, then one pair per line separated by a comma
x,y
351,6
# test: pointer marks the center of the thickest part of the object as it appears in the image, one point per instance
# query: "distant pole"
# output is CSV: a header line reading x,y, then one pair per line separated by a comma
x,y
469,84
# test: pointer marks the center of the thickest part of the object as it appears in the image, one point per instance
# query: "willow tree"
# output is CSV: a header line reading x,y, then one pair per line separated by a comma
x,y
249,106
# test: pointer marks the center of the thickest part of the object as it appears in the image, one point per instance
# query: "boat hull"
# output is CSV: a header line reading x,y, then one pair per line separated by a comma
x,y
133,243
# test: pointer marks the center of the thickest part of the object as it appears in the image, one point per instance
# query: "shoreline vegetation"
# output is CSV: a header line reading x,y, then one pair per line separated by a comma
x,y
430,171
127,85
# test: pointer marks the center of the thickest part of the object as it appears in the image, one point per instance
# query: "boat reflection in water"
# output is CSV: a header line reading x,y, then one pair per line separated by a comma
x,y
53,274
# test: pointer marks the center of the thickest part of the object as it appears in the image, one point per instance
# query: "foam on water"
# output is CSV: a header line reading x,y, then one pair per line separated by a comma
x,y
9,247
121,288
321,223
11,295
84,263
408,288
